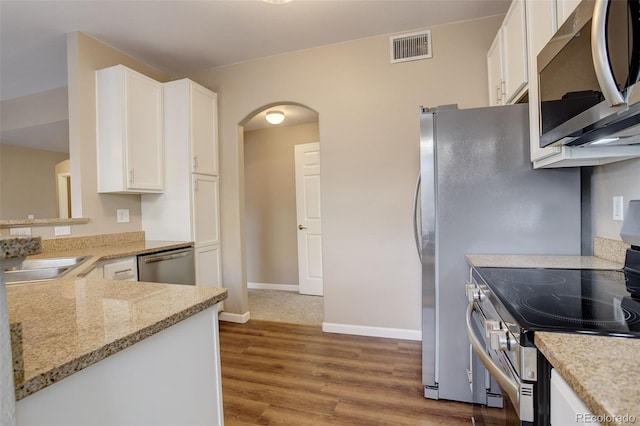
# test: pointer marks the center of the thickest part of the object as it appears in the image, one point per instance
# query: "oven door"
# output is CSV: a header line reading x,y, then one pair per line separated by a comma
x,y
497,363
587,73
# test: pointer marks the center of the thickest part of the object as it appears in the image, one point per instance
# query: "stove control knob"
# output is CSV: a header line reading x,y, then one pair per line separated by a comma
x,y
490,325
473,293
501,341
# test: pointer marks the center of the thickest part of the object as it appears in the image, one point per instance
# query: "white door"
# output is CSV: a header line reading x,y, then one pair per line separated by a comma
x,y
307,158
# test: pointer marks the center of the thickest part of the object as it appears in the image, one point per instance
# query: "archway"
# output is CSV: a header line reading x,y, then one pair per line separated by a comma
x,y
272,232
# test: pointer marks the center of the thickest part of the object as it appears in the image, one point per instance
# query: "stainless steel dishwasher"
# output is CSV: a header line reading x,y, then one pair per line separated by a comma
x,y
171,267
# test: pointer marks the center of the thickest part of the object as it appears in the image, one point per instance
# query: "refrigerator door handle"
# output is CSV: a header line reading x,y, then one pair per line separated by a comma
x,y
417,234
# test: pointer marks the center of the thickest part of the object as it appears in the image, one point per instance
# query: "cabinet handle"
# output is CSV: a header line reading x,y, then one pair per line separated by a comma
x,y
195,185
503,90
498,95
131,177
195,162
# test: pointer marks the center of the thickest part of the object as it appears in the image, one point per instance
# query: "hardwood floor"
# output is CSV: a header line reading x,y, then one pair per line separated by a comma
x,y
277,373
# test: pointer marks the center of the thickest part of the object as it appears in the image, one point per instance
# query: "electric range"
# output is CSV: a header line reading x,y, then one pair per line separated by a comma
x,y
507,306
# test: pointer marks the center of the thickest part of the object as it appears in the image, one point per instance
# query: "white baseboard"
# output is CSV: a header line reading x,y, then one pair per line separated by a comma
x,y
359,330
283,287
229,317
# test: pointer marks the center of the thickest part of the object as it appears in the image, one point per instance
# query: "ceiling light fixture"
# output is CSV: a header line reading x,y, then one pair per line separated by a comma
x,y
275,117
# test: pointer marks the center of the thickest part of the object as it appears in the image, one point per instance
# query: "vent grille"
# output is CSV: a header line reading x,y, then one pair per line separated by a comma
x,y
411,47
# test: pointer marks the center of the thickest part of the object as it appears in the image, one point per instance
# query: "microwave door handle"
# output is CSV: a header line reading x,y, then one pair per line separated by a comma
x,y
634,63
600,54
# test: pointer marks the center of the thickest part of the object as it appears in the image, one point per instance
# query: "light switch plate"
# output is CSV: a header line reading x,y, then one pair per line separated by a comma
x,y
60,231
123,215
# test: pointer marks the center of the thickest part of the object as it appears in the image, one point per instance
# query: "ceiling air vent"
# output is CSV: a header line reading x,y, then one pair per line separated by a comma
x,y
410,47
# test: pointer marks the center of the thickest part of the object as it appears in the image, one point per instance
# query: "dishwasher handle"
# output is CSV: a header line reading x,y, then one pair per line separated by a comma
x,y
160,258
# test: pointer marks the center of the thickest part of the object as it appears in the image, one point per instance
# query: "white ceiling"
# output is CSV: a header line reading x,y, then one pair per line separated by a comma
x,y
179,37
183,36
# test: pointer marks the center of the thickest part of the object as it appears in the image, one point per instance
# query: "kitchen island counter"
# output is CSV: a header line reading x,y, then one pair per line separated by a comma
x,y
602,370
69,324
86,347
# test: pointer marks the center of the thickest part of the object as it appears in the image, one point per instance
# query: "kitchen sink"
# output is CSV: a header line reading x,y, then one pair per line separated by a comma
x,y
30,275
34,270
53,262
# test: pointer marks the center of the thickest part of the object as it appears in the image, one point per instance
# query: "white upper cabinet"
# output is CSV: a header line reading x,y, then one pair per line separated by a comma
x,y
129,121
541,25
189,208
495,71
204,134
514,38
507,58
564,8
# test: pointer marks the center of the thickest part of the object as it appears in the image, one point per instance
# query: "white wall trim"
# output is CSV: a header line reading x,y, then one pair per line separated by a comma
x,y
359,330
239,318
265,286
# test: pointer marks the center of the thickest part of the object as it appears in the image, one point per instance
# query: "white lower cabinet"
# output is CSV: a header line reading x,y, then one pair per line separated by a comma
x,y
170,378
208,265
566,407
120,269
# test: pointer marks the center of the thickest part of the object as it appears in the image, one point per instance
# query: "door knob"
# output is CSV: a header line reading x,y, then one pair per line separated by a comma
x,y
300,227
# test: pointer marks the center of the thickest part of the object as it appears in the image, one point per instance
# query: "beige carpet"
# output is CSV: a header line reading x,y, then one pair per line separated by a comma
x,y
286,306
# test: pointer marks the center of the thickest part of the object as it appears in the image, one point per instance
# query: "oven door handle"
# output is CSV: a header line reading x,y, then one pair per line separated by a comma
x,y
507,384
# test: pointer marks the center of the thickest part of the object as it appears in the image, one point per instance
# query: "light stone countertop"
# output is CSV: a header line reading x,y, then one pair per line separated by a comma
x,y
65,325
604,371
540,261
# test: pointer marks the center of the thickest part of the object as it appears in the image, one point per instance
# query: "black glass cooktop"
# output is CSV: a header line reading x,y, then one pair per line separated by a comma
x,y
579,300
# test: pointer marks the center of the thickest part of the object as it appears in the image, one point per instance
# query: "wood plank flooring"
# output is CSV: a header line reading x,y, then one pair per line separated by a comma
x,y
287,374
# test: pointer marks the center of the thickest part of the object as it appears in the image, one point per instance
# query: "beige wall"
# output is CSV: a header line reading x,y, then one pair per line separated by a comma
x,y
369,129
621,178
270,202
28,182
85,55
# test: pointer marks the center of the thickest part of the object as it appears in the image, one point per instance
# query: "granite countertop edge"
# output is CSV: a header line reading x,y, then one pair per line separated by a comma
x,y
85,360
609,390
540,261
97,254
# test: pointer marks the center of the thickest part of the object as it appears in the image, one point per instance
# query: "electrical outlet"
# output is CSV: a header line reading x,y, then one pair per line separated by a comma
x,y
123,215
618,207
20,231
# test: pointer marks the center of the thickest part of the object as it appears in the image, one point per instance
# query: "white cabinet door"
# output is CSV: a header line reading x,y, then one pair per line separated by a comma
x,y
541,25
514,39
204,130
206,223
564,8
129,132
123,269
507,57
208,266
566,407
495,71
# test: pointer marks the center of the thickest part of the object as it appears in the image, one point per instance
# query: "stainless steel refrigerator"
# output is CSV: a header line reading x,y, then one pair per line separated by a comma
x,y
479,194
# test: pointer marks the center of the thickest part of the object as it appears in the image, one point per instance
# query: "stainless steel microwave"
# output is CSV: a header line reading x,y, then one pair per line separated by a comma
x,y
588,77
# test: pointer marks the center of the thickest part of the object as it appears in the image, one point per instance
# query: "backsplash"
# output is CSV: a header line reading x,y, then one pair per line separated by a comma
x,y
613,250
